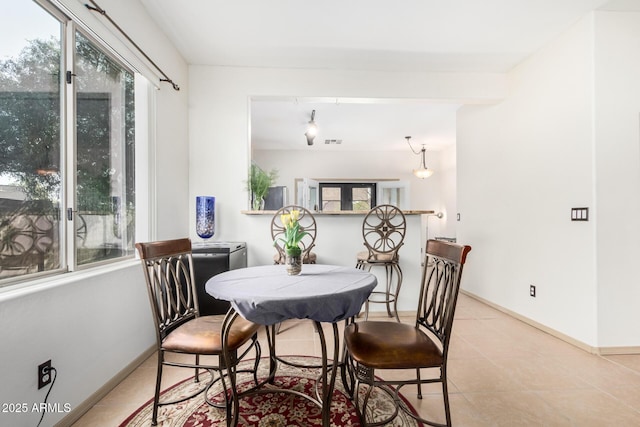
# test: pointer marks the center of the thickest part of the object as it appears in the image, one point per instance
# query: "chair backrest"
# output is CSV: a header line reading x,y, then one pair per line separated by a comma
x,y
441,276
168,271
307,223
383,230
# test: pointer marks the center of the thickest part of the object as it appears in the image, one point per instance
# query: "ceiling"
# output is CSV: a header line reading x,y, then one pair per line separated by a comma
x,y
403,35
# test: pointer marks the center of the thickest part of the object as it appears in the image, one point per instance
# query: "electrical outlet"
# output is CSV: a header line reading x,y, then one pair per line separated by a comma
x,y
532,290
44,374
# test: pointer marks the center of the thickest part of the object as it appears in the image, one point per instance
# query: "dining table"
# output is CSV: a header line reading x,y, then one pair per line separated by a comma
x,y
325,294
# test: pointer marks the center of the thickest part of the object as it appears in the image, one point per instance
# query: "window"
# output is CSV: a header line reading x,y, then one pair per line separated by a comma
x,y
66,148
104,155
347,196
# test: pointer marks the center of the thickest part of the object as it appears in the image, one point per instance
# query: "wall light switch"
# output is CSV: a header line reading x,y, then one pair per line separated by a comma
x,y
579,214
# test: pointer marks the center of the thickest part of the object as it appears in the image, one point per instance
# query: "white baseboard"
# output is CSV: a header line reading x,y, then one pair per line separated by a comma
x,y
610,351
602,351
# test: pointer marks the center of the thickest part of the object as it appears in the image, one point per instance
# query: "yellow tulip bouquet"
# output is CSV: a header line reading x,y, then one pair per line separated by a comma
x,y
293,233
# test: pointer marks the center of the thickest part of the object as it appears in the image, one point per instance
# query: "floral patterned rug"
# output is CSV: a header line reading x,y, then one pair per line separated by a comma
x,y
270,409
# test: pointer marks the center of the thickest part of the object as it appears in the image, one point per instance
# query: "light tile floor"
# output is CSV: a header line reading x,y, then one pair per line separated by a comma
x,y
502,372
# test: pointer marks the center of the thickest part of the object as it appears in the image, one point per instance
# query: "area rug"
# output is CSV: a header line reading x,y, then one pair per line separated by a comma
x,y
270,409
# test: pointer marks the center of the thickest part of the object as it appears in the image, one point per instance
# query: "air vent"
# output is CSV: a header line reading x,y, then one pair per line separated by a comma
x,y
332,141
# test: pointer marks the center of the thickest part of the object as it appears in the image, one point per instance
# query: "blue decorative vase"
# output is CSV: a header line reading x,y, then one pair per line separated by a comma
x,y
205,216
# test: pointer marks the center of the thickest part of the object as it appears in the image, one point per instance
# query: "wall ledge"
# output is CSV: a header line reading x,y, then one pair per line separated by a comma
x,y
345,213
21,289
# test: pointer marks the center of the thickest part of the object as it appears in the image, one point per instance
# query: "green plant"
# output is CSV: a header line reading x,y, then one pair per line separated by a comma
x,y
259,183
293,233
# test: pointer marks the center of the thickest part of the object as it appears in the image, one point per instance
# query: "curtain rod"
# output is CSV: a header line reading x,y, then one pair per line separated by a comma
x,y
102,12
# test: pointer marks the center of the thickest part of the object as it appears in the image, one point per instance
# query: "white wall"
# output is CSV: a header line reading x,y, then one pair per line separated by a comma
x,y
446,227
566,136
93,324
219,106
522,165
219,141
617,170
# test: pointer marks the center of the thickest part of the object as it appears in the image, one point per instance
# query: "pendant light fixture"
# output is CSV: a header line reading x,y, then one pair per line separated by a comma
x,y
312,129
422,172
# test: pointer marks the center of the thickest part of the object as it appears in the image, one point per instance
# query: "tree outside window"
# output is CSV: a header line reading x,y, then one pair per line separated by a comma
x,y
33,205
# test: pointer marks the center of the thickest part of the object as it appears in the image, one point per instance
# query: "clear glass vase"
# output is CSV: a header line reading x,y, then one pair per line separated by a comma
x,y
293,264
257,204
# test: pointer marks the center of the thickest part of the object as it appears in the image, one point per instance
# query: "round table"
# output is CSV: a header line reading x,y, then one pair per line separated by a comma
x,y
267,295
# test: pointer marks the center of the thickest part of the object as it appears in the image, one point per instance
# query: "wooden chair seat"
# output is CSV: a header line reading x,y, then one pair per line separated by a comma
x,y
391,345
201,335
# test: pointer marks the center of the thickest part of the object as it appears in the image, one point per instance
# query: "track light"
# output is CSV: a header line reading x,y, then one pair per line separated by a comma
x,y
312,129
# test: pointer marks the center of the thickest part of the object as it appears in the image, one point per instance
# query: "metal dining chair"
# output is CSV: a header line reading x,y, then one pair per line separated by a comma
x,y
168,271
372,346
383,230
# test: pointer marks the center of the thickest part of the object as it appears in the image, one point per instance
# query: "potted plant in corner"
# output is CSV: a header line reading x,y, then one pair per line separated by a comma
x,y
259,183
293,234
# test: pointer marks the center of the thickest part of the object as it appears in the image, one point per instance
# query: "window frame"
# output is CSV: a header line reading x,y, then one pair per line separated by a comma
x,y
72,144
144,98
346,193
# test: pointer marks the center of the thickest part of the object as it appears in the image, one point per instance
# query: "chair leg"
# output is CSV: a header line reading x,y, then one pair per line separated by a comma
x,y
392,288
256,362
445,394
197,376
346,366
360,266
233,407
419,383
362,413
156,396
398,271
389,275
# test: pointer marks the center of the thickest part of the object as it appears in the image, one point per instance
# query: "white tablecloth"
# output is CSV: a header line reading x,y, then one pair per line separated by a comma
x,y
267,295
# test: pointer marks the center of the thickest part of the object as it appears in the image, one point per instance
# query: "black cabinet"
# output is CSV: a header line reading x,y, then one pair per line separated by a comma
x,y
214,258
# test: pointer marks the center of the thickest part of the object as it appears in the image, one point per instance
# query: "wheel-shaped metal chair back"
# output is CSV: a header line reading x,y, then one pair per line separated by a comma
x,y
307,223
383,230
